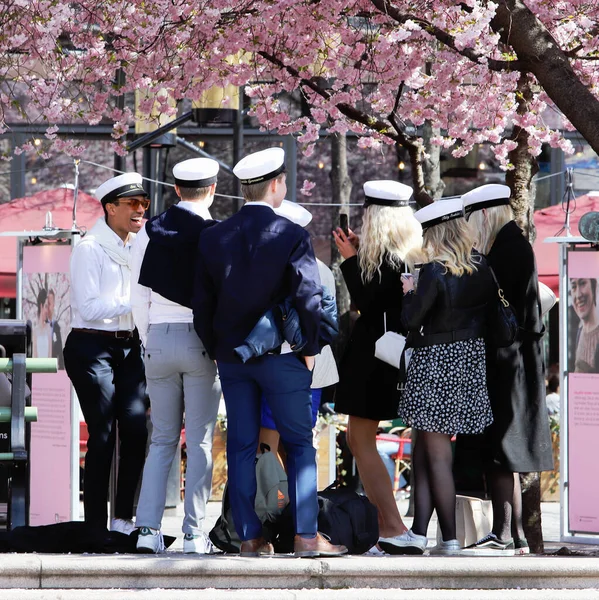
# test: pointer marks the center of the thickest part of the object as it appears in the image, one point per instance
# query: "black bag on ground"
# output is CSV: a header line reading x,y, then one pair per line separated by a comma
x,y
345,516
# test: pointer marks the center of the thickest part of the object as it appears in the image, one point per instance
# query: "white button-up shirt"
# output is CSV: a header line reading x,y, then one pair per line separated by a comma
x,y
100,296
149,307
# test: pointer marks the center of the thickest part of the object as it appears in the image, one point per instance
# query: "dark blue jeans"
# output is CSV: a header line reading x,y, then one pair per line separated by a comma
x,y
284,381
108,376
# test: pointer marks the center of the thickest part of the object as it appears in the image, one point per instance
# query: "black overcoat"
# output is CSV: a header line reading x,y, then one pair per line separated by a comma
x,y
367,386
520,437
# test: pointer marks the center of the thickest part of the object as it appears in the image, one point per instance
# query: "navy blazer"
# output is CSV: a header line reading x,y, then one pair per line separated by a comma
x,y
246,265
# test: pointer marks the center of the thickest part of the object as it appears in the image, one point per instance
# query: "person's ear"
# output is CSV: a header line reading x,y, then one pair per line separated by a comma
x,y
177,191
111,209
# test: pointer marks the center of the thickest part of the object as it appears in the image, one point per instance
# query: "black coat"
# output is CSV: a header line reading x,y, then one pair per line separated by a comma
x,y
520,437
367,386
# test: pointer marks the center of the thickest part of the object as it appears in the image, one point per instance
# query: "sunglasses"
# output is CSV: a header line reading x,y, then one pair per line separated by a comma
x,y
135,203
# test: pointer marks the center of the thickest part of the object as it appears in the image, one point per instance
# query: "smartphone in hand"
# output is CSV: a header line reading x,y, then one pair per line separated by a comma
x,y
344,223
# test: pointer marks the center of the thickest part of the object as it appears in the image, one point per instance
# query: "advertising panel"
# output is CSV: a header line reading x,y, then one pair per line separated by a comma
x,y
46,304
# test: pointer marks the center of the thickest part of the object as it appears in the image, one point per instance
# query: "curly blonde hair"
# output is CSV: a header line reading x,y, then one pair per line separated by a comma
x,y
388,233
486,223
450,244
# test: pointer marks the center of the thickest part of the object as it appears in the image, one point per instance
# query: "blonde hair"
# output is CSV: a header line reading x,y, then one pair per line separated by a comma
x,y
487,223
388,233
450,244
193,193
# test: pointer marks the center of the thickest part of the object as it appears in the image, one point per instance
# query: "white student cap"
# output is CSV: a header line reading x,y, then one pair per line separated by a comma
x,y
196,172
386,192
440,211
122,186
294,212
260,166
492,194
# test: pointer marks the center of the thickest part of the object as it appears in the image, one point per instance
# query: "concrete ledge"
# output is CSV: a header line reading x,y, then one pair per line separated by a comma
x,y
178,571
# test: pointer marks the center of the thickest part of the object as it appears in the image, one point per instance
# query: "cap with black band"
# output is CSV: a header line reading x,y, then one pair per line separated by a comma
x,y
485,196
260,166
440,211
386,192
196,172
122,186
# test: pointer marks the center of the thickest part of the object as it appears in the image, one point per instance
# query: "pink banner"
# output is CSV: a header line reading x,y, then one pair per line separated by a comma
x,y
46,303
583,391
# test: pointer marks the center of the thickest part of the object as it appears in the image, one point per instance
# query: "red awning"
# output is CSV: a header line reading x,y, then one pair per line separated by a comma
x,y
8,285
548,222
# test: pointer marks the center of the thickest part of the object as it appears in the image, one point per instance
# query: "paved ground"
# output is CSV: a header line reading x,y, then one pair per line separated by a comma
x,y
550,515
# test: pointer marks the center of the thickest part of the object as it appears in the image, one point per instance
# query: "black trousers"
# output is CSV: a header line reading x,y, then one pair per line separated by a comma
x,y
108,376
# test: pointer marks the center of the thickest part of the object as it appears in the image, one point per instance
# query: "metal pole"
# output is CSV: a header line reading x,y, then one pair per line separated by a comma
x,y
238,148
119,161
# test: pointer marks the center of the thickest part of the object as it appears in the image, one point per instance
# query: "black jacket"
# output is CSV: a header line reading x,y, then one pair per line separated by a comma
x,y
447,307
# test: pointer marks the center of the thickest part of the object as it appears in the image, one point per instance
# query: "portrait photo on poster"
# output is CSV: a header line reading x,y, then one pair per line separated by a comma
x,y
583,313
46,304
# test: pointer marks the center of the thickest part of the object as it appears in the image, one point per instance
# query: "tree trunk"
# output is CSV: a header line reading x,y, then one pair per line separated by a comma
x,y
342,185
531,511
519,179
525,166
432,165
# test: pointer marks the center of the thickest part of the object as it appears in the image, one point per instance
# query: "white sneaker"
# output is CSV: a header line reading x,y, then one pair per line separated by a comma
x,y
446,548
150,541
374,551
406,543
197,544
125,526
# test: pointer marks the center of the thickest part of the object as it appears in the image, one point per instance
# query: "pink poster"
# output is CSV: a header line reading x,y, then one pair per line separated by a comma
x,y
583,391
46,304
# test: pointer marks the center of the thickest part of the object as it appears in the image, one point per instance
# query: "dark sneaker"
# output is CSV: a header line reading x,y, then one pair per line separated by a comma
x,y
521,547
490,545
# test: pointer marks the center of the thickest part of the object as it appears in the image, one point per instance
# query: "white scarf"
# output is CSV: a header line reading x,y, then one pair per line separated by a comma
x,y
107,238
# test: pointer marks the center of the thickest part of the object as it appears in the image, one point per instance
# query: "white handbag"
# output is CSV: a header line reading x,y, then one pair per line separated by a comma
x,y
547,298
390,346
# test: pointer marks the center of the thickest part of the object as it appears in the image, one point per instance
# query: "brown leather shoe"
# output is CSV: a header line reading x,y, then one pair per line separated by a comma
x,y
256,547
316,546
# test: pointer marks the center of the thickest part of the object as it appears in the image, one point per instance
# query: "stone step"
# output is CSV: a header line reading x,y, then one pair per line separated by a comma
x,y
179,571
305,594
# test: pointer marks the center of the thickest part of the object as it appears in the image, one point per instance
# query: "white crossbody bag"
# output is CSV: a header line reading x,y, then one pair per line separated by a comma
x,y
390,346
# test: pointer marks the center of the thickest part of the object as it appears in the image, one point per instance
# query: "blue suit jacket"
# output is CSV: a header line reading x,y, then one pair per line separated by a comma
x,y
246,265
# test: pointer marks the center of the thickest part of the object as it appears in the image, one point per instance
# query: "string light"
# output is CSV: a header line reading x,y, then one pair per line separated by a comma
x,y
402,165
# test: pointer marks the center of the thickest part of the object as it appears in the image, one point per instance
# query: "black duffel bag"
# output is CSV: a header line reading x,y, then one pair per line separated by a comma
x,y
344,516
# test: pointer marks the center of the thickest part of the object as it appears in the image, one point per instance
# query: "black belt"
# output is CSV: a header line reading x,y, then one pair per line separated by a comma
x,y
445,337
124,334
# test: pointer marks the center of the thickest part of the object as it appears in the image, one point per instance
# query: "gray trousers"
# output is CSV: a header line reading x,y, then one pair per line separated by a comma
x,y
181,380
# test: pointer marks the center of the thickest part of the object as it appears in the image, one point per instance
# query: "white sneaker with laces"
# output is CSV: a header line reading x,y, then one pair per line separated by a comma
x,y
150,541
125,526
446,548
406,543
197,544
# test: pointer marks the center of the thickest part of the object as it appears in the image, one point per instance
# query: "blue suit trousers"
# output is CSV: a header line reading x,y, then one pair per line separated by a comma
x,y
284,381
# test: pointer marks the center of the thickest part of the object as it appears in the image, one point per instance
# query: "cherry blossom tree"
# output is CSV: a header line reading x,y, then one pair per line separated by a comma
x,y
389,70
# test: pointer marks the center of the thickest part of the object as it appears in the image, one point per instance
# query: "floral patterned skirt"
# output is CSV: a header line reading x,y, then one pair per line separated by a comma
x,y
446,389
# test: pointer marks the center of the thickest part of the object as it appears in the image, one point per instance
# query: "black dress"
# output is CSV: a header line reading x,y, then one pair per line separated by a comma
x,y
367,386
519,436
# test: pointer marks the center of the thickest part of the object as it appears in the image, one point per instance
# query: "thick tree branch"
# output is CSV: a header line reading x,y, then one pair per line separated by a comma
x,y
537,48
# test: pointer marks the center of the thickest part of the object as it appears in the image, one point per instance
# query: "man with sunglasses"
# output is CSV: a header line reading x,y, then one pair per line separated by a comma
x,y
181,376
102,354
